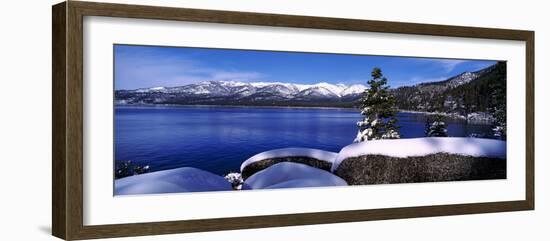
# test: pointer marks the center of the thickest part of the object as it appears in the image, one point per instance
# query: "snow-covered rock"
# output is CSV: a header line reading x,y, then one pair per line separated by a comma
x,y
326,156
424,146
184,179
290,175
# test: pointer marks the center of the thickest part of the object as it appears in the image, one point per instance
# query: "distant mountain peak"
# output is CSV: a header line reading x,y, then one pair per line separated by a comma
x,y
459,94
243,93
461,79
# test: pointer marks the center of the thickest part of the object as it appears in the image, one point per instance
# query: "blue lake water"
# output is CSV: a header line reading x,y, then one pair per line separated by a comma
x,y
219,139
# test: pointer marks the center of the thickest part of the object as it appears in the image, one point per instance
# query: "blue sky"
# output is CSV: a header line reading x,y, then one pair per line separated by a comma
x,y
149,66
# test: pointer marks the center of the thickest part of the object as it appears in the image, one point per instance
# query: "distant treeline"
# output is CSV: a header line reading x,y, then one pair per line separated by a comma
x,y
478,95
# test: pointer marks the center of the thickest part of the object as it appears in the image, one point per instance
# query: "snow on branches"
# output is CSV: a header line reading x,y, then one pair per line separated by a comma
x,y
378,109
436,127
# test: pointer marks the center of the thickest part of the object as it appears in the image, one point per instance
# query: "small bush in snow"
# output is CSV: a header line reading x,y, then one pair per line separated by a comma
x,y
235,179
127,168
499,132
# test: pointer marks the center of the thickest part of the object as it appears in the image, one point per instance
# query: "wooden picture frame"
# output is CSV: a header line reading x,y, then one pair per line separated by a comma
x,y
67,124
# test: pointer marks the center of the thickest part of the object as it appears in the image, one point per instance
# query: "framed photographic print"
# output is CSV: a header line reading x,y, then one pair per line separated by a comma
x,y
172,120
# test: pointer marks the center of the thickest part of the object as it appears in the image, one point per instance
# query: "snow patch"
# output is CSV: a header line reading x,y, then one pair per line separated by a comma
x,y
330,88
424,146
184,179
289,152
291,175
353,90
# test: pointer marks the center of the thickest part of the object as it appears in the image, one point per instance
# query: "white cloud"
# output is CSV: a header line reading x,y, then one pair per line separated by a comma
x,y
232,75
417,80
174,71
449,64
207,75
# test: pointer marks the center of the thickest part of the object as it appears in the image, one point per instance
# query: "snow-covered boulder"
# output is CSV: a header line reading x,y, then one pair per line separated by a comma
x,y
312,157
423,146
184,179
291,175
427,159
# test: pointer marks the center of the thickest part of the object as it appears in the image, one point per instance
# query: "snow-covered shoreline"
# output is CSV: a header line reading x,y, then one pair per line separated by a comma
x,y
475,117
463,151
472,117
450,115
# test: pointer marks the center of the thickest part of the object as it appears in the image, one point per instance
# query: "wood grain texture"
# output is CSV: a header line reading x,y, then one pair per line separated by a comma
x,y
74,110
121,230
67,123
59,193
279,20
530,120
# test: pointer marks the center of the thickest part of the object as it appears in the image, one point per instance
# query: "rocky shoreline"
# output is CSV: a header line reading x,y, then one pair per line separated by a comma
x,y
415,160
475,117
440,167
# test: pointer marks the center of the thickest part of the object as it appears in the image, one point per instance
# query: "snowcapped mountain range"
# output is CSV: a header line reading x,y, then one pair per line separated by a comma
x,y
288,94
233,92
243,89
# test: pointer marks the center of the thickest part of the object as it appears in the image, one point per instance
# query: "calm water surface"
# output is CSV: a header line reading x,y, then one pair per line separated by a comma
x,y
219,139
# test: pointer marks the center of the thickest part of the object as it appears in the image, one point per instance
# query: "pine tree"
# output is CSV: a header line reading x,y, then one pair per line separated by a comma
x,y
497,105
378,109
437,128
427,126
